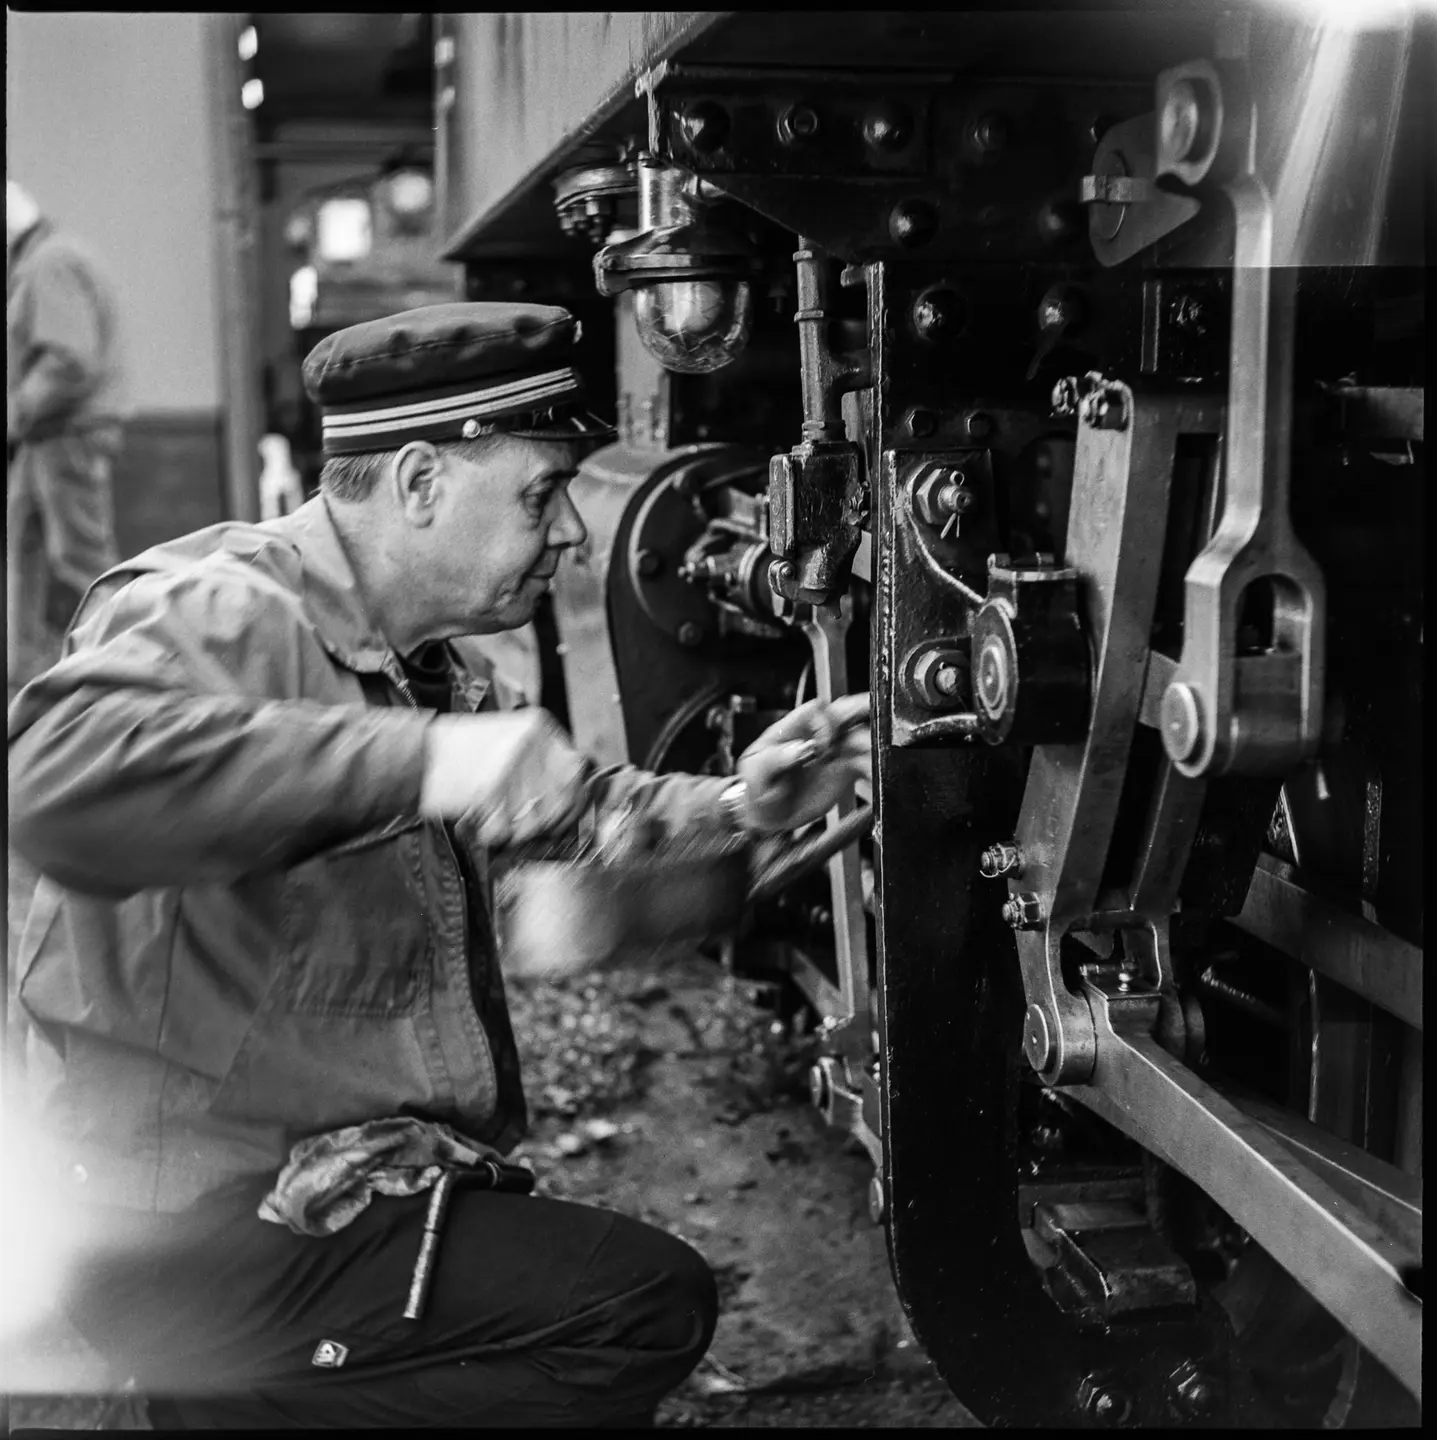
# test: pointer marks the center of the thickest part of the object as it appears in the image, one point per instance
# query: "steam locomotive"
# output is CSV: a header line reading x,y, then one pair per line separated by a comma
x,y
1057,375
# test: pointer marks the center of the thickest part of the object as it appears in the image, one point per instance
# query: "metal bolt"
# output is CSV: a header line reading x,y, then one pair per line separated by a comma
x,y
781,573
1194,1391
978,424
704,125
820,917
1066,395
887,129
1059,220
992,684
877,1200
1023,911
1110,1406
998,860
1190,314
1046,1137
818,1086
946,680
913,222
938,314
1104,408
649,563
1181,721
1059,309
990,133
921,421
1102,123
1037,1038
798,122
956,498
1183,122
690,633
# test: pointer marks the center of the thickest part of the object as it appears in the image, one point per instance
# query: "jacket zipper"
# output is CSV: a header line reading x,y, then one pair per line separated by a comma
x,y
403,686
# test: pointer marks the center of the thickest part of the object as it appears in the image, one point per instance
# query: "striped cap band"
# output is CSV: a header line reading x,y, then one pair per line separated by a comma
x,y
350,429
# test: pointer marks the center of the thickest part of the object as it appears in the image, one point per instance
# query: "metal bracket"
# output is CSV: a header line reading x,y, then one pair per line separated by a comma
x,y
827,631
1258,713
1355,1257
1116,529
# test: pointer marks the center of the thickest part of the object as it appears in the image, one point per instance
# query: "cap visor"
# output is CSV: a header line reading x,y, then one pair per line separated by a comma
x,y
583,425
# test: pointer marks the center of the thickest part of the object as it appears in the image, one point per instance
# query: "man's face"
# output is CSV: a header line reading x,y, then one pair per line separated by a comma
x,y
501,526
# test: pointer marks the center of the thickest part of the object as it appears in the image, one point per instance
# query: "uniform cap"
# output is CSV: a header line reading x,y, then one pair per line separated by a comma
x,y
448,372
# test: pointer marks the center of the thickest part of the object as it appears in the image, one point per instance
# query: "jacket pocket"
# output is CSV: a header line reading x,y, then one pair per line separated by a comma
x,y
356,937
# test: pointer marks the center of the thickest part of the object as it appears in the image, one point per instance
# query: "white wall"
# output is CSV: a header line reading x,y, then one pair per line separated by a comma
x,y
107,124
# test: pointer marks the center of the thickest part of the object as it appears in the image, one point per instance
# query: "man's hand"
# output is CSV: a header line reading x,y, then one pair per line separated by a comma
x,y
800,767
512,776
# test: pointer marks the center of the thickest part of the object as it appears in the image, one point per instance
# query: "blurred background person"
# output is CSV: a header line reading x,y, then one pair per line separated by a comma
x,y
64,410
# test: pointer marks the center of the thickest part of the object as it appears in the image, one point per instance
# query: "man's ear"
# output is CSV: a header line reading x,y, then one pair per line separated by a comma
x,y
416,480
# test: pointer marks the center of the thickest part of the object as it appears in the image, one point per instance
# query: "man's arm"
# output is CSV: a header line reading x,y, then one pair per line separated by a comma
x,y
165,748
64,355
792,774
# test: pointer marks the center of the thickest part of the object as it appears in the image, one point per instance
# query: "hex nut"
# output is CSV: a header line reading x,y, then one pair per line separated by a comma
x,y
922,422
1194,1392
705,125
924,669
798,123
1023,911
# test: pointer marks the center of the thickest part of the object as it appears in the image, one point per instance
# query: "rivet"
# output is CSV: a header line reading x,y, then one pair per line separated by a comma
x,y
471,429
913,222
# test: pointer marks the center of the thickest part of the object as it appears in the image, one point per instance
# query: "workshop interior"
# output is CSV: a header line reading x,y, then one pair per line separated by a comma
x,y
1056,374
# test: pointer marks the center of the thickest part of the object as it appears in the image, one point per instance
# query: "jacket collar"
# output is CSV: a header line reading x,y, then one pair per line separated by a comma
x,y
332,597
335,606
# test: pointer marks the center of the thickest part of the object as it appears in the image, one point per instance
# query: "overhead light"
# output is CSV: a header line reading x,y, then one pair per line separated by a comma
x,y
299,230
408,195
252,94
248,43
343,230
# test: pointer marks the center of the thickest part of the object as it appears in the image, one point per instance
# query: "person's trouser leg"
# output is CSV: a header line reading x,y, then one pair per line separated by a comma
x,y
541,1313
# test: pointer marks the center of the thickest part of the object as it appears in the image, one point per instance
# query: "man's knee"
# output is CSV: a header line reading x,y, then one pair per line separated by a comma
x,y
692,1294
665,1295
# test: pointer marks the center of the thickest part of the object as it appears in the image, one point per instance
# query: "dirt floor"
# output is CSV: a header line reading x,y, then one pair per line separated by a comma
x,y
673,1095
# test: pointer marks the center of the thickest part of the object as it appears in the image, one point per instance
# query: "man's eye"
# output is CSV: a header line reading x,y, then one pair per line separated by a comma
x,y
539,501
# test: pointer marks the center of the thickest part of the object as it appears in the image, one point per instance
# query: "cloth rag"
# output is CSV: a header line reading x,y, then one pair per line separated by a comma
x,y
329,1179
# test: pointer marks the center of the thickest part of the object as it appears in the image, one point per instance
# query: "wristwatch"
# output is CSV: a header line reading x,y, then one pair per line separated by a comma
x,y
733,804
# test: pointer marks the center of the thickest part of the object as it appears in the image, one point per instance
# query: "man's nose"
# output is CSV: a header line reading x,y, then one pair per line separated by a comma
x,y
568,528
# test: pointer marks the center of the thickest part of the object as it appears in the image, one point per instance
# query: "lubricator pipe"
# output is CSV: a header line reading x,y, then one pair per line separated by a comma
x,y
826,373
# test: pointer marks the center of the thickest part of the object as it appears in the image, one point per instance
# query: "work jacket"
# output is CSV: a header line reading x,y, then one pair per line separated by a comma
x,y
62,343
246,935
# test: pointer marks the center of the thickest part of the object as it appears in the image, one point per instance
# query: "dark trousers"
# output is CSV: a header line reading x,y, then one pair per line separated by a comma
x,y
541,1313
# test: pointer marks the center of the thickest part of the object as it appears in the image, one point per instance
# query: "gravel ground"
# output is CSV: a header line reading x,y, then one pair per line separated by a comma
x,y
671,1094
